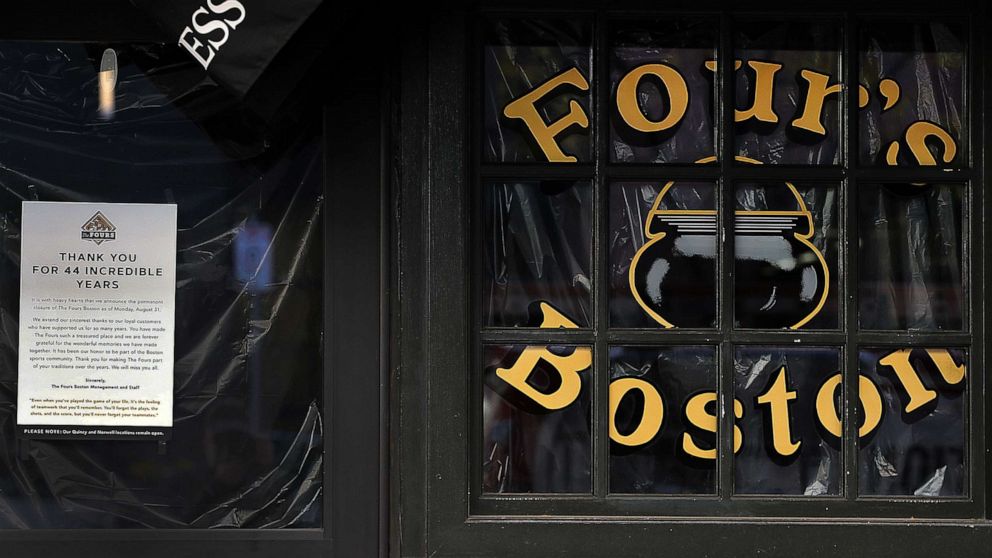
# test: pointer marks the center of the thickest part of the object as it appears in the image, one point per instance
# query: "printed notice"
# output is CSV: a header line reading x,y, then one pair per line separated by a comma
x,y
97,319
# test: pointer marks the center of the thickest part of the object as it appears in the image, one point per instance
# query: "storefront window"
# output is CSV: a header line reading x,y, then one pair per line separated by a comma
x,y
246,445
701,284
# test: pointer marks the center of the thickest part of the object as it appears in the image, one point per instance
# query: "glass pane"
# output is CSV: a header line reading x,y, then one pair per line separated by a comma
x,y
662,267
788,92
537,91
246,449
537,245
663,91
790,420
663,420
912,94
913,404
786,268
536,412
912,249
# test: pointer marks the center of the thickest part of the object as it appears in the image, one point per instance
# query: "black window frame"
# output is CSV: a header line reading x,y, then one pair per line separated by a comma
x,y
439,380
352,109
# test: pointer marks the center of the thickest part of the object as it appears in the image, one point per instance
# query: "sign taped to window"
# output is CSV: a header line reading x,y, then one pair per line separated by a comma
x,y
97,321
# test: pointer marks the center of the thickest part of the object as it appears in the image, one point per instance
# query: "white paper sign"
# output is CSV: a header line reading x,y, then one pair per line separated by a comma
x,y
97,320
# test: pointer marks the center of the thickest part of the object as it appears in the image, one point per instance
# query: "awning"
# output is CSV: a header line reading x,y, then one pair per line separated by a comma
x,y
236,41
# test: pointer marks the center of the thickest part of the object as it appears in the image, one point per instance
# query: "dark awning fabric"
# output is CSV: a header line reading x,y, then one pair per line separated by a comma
x,y
235,40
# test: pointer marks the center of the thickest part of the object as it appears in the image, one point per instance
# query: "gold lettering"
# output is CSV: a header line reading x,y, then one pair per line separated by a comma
x,y
909,378
630,109
764,88
738,435
777,398
952,372
696,415
871,404
651,419
916,138
826,409
551,318
889,89
567,367
525,108
819,89
711,65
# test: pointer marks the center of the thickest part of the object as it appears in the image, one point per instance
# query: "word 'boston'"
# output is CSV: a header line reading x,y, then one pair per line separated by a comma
x,y
777,400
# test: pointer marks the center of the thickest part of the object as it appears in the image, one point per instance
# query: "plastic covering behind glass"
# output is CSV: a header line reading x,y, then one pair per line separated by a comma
x,y
246,448
912,94
662,262
520,55
537,247
785,256
663,254
912,254
663,71
663,407
788,92
536,431
915,404
791,443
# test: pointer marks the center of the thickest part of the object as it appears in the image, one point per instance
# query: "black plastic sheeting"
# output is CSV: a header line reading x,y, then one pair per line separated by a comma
x,y
686,45
538,248
661,466
928,63
923,453
912,238
519,56
815,468
796,46
246,448
912,251
526,448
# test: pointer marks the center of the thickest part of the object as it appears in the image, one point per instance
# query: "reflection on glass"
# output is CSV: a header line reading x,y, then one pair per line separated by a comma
x,y
536,412
247,439
663,408
662,269
913,407
663,91
791,423
785,266
912,248
912,94
537,243
788,92
521,56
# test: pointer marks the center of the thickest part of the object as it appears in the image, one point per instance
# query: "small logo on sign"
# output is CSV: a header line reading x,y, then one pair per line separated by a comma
x,y
98,229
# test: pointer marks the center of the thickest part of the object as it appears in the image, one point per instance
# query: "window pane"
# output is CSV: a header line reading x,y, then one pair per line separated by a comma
x,y
663,91
537,245
791,443
913,411
786,268
912,94
788,92
536,412
521,56
663,254
665,420
246,449
912,249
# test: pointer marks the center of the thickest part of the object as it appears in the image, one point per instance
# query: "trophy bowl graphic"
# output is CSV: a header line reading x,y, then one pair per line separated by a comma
x,y
781,279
